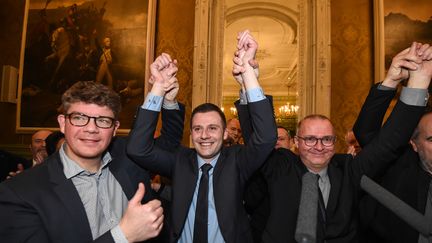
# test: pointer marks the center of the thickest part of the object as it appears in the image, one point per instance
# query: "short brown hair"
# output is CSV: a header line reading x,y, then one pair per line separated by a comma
x,y
90,92
208,107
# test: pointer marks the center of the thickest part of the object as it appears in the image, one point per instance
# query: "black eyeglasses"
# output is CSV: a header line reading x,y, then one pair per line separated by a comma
x,y
81,120
325,141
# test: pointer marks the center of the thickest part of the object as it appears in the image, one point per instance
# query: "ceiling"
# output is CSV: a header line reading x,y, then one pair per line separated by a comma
x,y
274,25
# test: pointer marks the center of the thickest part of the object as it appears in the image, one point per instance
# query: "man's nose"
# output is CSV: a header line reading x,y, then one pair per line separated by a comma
x,y
204,133
319,145
91,125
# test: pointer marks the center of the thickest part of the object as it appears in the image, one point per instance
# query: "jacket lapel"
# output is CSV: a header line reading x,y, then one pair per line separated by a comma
x,y
123,178
335,176
184,183
217,171
70,198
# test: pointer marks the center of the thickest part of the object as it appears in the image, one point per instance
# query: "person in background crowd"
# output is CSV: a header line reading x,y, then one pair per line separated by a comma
x,y
234,132
38,147
9,162
38,150
353,147
54,142
284,138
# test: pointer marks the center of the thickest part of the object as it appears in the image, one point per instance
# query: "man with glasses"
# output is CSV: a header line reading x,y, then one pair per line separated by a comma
x,y
89,190
338,175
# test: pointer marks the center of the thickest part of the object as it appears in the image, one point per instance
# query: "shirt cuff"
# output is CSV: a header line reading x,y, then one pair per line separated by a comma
x,y
413,96
383,87
118,235
152,102
171,105
243,98
255,94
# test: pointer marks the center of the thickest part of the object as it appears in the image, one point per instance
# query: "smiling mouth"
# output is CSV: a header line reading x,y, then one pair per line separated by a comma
x,y
89,140
206,144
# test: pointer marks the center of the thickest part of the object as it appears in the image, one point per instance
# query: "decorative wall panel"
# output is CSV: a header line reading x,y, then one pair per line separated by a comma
x,y
352,62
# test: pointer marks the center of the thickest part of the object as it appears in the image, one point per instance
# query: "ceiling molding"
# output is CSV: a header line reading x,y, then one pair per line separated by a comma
x,y
264,9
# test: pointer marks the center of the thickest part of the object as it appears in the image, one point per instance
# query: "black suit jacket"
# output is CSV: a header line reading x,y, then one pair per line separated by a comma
x,y
284,175
405,179
256,197
234,166
40,205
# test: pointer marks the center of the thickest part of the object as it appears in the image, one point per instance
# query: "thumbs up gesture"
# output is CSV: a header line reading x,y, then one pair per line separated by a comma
x,y
141,221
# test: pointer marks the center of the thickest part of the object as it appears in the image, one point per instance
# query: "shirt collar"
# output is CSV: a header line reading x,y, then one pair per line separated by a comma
x,y
72,169
322,173
213,162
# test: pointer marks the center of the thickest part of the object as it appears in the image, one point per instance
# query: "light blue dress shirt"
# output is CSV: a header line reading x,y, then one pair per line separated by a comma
x,y
214,233
155,102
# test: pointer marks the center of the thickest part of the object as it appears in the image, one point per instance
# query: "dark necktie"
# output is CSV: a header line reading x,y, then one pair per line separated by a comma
x,y
201,213
321,205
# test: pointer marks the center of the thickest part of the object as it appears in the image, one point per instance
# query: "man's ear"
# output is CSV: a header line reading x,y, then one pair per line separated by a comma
x,y
296,141
225,135
413,144
116,126
61,121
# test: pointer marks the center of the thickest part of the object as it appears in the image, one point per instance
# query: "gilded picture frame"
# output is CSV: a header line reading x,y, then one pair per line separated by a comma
x,y
65,41
397,23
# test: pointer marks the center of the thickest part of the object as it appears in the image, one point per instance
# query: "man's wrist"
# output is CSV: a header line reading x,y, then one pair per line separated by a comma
x,y
389,84
418,81
118,235
158,89
170,104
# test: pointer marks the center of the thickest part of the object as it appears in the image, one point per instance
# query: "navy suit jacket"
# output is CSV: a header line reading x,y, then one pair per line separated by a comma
x,y
234,167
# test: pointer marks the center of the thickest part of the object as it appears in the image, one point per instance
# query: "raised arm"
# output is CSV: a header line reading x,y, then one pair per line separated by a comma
x,y
396,132
263,136
156,154
371,116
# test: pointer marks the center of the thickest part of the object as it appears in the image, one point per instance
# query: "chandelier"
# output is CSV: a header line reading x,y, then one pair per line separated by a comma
x,y
288,110
232,111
